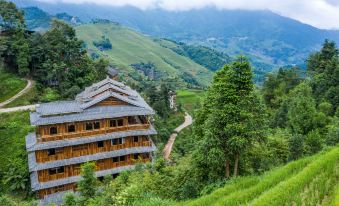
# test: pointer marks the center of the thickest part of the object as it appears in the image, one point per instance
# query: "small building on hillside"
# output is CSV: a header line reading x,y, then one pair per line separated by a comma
x,y
173,100
108,123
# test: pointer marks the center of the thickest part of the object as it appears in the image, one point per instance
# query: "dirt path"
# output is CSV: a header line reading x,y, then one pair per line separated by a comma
x,y
20,108
168,147
25,90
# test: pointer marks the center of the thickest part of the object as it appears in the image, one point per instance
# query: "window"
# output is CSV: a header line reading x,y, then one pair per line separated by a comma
x,y
100,144
118,159
116,141
116,122
122,158
71,128
115,159
56,170
120,122
112,123
96,125
136,139
132,120
89,126
53,130
51,152
135,156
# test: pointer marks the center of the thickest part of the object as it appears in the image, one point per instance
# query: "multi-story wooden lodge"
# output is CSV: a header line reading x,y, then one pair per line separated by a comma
x,y
108,123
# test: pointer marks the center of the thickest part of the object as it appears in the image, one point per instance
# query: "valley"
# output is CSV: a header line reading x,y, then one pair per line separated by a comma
x,y
136,106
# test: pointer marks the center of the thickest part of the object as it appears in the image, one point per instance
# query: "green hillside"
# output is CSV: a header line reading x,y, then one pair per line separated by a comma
x,y
130,47
10,84
308,181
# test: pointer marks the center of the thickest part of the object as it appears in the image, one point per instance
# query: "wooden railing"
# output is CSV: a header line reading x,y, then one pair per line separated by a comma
x,y
69,172
87,133
91,152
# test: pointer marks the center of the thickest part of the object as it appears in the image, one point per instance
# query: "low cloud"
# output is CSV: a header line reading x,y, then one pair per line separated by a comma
x,y
319,13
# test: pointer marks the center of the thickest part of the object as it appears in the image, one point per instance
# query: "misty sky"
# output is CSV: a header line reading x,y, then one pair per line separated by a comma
x,y
319,13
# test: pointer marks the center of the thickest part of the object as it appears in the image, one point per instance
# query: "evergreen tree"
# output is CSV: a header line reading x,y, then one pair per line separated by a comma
x,y
323,68
14,47
231,119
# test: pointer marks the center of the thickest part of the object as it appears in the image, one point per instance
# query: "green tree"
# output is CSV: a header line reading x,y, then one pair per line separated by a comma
x,y
14,48
64,63
88,184
231,119
277,85
302,115
323,67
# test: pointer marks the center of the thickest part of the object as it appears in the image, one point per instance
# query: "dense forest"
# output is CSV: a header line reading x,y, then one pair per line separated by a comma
x,y
240,129
56,59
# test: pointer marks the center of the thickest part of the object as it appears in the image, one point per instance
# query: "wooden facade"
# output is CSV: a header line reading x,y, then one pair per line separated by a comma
x,y
53,154
41,193
103,164
55,132
52,124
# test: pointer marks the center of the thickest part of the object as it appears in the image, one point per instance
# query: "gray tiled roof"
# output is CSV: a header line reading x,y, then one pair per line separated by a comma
x,y
34,166
32,145
80,108
59,107
92,91
36,185
93,113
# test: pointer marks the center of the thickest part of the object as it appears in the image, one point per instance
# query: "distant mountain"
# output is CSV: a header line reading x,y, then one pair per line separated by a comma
x,y
130,52
268,39
37,19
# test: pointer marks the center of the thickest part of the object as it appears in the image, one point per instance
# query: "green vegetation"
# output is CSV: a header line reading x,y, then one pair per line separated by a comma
x,y
130,47
205,56
239,130
103,43
31,97
10,85
292,184
230,121
55,59
13,158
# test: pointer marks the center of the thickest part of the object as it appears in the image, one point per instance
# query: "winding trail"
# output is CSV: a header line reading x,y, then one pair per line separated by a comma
x,y
168,147
22,92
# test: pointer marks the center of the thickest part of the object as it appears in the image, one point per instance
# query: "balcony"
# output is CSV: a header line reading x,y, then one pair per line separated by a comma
x,y
90,151
87,133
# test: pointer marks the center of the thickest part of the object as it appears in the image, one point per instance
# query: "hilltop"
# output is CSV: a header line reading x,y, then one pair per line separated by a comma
x,y
37,19
269,39
129,50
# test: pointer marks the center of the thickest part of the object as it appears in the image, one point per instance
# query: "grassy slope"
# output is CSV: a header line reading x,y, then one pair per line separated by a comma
x,y
309,181
28,98
189,99
9,85
130,47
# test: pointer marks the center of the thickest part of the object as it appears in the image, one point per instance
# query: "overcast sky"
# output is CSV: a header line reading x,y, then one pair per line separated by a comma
x,y
319,13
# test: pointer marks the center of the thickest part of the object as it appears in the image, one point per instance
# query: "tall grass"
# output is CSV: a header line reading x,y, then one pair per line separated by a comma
x,y
251,187
235,185
312,180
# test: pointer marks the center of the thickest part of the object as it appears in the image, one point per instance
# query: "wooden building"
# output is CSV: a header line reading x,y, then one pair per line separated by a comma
x,y
108,123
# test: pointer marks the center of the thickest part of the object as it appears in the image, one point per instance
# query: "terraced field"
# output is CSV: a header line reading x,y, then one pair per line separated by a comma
x,y
309,181
130,47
